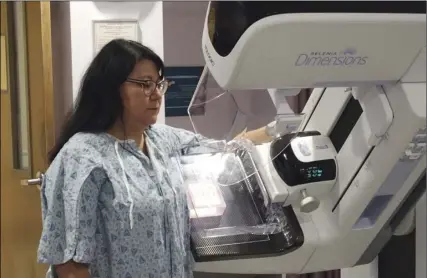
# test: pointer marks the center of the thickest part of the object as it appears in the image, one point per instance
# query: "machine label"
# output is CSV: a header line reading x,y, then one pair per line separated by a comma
x,y
322,147
209,56
417,147
346,57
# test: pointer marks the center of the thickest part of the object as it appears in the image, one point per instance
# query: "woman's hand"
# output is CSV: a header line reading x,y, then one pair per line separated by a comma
x,y
257,136
72,269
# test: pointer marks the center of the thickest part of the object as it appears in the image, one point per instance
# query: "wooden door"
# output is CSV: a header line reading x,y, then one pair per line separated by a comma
x,y
27,131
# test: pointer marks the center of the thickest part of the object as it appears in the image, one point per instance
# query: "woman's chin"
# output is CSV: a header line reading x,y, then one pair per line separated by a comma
x,y
148,118
152,120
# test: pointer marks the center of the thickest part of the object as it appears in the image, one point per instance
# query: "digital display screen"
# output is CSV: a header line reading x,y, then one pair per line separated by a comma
x,y
312,172
295,172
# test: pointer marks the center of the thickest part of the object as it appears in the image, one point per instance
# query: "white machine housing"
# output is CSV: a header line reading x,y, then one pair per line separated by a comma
x,y
319,50
306,149
369,73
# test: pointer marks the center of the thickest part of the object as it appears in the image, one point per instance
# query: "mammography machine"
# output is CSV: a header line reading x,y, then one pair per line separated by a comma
x,y
331,193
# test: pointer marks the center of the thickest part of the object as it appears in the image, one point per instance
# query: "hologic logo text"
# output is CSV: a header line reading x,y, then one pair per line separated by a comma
x,y
347,57
209,55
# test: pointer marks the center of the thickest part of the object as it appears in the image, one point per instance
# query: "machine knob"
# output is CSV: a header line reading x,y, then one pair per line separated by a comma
x,y
36,181
308,203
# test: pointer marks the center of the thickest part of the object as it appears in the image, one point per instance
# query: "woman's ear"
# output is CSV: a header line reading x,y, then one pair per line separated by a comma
x,y
122,92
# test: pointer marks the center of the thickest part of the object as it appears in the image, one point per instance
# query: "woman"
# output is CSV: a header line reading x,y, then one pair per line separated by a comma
x,y
112,201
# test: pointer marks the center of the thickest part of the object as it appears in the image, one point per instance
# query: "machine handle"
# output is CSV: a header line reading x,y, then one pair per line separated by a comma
x,y
308,203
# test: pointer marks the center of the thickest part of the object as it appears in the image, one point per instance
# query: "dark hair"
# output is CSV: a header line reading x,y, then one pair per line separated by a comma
x,y
98,104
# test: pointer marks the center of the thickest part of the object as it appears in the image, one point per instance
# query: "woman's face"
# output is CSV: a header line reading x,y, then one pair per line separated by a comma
x,y
141,110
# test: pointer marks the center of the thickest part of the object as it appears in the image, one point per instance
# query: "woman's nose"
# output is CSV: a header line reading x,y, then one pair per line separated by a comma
x,y
157,94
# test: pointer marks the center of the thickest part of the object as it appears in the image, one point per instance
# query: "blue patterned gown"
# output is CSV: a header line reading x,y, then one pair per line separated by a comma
x,y
106,204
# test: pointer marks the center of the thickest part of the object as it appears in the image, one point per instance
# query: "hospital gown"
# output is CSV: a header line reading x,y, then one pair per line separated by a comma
x,y
106,204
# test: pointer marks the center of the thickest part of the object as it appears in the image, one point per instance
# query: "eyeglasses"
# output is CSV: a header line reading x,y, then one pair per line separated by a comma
x,y
149,86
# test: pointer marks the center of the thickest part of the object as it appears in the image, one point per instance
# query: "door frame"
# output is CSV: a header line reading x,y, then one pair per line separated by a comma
x,y
41,116
37,72
40,83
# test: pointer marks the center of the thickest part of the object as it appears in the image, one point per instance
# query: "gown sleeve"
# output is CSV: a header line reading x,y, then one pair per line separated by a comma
x,y
189,260
187,142
69,196
183,138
